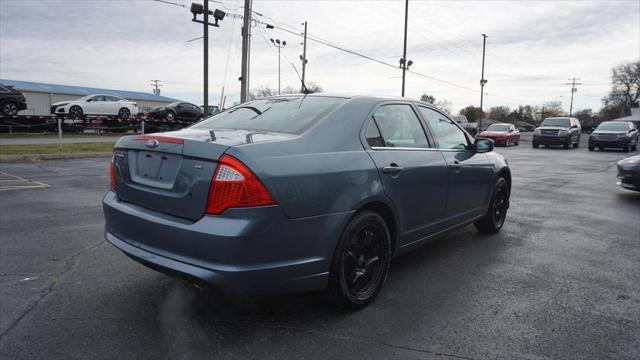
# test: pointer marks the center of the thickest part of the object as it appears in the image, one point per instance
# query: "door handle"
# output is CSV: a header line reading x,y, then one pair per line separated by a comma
x,y
456,166
393,168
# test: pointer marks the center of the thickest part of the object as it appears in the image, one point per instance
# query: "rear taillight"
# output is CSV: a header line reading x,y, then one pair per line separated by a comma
x,y
112,172
234,185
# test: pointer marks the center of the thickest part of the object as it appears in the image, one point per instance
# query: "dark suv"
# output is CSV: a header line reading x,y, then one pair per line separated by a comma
x,y
614,134
11,101
558,131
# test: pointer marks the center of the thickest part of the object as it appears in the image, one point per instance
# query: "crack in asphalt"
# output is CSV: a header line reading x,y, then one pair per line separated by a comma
x,y
69,262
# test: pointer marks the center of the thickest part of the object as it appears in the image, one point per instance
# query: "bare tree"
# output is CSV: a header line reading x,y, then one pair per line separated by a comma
x,y
444,105
471,112
289,90
428,98
313,88
625,87
499,113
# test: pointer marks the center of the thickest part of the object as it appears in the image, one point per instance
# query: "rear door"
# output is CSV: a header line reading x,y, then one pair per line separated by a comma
x,y
470,173
414,174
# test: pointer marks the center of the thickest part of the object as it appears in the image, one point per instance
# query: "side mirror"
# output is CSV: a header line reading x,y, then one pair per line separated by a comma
x,y
483,145
574,127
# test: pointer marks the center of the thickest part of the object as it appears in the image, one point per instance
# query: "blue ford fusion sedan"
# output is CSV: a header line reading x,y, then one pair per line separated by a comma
x,y
298,193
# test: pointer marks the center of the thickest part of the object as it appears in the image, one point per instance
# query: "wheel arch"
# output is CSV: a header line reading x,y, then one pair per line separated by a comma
x,y
386,211
505,173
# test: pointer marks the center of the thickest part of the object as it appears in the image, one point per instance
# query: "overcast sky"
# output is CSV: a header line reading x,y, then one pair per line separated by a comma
x,y
533,47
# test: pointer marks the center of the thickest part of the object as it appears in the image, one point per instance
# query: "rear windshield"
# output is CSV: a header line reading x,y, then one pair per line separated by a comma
x,y
287,115
498,128
559,122
615,126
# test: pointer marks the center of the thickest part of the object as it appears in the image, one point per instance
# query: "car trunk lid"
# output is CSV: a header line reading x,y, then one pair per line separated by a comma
x,y
171,172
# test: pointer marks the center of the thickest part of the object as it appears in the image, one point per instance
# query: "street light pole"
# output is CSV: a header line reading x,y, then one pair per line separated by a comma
x,y
404,51
279,44
206,58
483,81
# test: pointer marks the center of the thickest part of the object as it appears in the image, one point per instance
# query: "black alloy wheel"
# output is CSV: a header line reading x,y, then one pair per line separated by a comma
x,y
361,261
9,108
494,219
170,115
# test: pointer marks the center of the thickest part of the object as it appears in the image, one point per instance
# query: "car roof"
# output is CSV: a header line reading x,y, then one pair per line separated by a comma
x,y
373,99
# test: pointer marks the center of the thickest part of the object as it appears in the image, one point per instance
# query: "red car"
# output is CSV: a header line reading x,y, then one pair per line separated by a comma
x,y
502,134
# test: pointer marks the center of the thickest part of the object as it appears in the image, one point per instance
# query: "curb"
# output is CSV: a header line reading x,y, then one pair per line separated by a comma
x,y
40,157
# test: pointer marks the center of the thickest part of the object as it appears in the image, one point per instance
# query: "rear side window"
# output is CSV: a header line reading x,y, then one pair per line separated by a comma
x,y
400,127
374,139
288,115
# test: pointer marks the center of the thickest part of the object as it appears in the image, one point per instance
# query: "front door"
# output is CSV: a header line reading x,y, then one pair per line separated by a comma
x,y
470,173
414,174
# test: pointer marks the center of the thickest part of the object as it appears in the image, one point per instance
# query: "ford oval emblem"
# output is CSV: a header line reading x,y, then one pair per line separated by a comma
x,y
152,143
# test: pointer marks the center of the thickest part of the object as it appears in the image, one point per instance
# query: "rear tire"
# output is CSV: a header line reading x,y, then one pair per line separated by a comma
x,y
360,261
9,108
535,145
170,115
124,114
494,219
591,148
634,147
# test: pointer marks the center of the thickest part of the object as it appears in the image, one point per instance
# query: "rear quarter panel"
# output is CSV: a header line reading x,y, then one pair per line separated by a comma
x,y
324,170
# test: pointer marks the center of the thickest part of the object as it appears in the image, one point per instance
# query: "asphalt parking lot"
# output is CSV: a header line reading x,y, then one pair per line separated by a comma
x,y
562,281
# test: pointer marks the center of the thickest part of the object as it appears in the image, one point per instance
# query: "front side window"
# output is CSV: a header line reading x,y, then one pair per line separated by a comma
x,y
448,135
400,127
282,114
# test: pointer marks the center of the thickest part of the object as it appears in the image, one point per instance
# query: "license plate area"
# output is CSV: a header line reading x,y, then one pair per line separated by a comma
x,y
152,168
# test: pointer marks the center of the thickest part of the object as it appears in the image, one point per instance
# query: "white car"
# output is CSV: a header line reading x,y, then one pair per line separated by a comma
x,y
96,105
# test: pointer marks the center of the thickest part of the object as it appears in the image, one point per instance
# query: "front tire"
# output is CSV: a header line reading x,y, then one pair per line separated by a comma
x,y
170,115
75,112
591,148
360,261
535,145
494,219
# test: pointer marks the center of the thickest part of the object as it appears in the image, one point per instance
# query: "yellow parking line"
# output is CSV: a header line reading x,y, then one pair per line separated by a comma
x,y
17,179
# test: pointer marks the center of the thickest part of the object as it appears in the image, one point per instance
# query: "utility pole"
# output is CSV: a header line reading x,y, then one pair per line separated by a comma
x,y
206,58
277,43
403,61
156,86
303,58
483,81
573,84
246,49
218,15
541,112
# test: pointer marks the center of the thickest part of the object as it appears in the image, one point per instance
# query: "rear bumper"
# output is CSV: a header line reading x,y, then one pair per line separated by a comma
x,y
251,250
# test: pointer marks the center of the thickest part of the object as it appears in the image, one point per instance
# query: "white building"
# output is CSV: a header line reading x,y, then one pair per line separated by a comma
x,y
40,96
634,117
